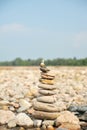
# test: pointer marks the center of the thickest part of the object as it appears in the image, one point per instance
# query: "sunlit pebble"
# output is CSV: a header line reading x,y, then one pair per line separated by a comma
x,y
22,128
50,127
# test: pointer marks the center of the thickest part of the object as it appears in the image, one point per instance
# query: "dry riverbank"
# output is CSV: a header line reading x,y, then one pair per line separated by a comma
x,y
19,86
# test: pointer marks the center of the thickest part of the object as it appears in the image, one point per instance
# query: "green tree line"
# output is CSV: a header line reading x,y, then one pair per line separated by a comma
x,y
48,62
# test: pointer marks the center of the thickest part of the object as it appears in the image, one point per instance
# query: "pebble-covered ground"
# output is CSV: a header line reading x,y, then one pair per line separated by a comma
x,y
19,85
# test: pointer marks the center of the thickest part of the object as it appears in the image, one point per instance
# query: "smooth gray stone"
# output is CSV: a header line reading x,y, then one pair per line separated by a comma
x,y
47,99
44,106
45,115
47,87
78,108
46,92
73,108
82,108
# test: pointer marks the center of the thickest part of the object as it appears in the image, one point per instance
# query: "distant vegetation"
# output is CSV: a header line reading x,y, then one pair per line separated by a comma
x,y
52,62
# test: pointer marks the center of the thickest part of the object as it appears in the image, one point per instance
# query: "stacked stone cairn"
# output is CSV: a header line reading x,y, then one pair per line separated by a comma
x,y
44,104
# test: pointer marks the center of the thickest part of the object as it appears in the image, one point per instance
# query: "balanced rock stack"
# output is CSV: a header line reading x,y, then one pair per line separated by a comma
x,y
44,105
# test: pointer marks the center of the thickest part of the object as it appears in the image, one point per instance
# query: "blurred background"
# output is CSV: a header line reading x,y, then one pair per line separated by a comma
x,y
49,29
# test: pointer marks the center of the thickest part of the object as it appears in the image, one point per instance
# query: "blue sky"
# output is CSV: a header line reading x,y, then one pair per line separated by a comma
x,y
43,29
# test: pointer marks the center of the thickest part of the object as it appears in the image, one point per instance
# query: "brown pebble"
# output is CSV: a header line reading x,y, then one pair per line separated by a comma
x,y
22,128
5,107
50,127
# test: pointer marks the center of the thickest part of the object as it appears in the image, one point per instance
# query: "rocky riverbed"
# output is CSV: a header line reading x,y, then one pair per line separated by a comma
x,y
19,89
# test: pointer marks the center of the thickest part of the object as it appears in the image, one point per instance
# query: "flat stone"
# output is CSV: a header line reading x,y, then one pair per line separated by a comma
x,y
44,69
46,92
46,81
44,115
46,76
46,107
47,87
47,99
